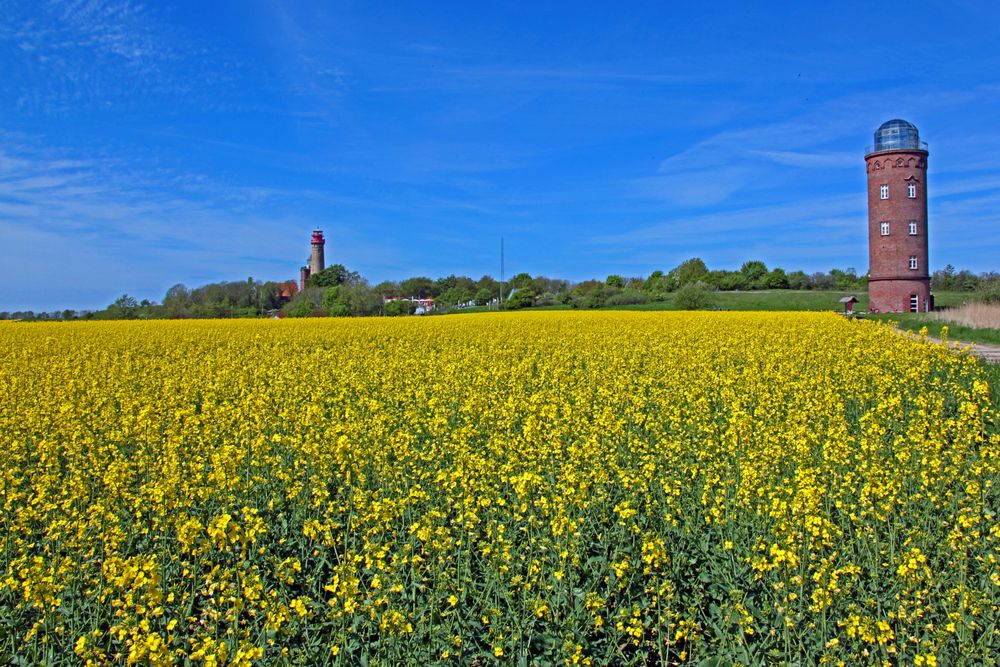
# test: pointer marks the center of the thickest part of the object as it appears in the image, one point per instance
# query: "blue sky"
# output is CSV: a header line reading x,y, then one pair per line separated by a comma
x,y
145,144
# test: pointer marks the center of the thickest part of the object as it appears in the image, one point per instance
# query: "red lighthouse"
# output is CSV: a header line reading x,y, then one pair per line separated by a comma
x,y
898,275
316,260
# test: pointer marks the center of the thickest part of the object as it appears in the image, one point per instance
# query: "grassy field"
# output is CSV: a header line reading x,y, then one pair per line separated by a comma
x,y
772,300
768,300
915,321
811,300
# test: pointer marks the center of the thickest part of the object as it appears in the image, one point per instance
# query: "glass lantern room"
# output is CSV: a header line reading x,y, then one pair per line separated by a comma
x,y
897,134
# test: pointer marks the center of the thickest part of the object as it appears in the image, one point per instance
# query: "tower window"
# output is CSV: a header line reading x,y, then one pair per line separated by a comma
x,y
885,228
913,262
914,303
911,191
883,192
913,227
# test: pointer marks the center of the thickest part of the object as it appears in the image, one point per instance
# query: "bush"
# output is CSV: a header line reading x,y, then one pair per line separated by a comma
x,y
523,297
394,308
334,303
338,309
989,291
597,297
484,295
627,297
307,303
732,280
301,308
695,296
547,299
776,279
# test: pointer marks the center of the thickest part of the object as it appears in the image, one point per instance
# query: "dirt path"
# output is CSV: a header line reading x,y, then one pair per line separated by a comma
x,y
986,352
990,353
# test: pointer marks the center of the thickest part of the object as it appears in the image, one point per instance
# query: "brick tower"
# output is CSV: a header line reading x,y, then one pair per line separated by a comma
x,y
898,277
316,263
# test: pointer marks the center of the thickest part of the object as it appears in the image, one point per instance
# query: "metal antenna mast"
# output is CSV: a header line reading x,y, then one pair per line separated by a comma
x,y
500,303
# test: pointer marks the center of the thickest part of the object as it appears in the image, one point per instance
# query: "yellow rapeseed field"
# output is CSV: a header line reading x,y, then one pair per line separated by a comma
x,y
540,488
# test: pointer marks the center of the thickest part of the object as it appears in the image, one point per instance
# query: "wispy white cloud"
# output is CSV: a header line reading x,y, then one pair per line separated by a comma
x,y
131,228
809,160
112,27
728,162
732,164
487,78
692,186
827,212
964,214
130,232
108,54
963,186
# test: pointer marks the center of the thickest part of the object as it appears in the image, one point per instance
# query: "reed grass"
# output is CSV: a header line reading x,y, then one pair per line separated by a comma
x,y
974,314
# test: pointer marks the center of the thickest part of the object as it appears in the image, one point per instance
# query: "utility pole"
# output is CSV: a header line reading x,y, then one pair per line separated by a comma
x,y
500,302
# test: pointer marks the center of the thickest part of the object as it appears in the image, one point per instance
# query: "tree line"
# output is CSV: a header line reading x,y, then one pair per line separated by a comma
x,y
338,291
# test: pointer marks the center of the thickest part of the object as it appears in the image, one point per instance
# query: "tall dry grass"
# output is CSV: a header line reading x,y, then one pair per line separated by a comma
x,y
972,314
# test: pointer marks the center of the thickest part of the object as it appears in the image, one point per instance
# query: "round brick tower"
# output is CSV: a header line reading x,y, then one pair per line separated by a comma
x,y
316,262
898,277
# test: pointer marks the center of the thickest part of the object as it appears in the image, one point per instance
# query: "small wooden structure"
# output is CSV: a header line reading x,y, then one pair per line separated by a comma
x,y
849,302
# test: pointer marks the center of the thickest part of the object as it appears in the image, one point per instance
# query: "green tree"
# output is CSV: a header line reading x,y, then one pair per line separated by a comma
x,y
732,280
687,272
943,279
454,295
580,295
335,274
820,281
355,299
335,302
306,303
399,307
442,285
124,307
484,295
754,271
363,299
523,297
519,281
656,286
386,289
695,296
487,282
966,281
176,301
615,281
988,290
798,280
776,279
419,286
301,308
627,296
556,286
845,280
